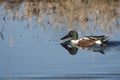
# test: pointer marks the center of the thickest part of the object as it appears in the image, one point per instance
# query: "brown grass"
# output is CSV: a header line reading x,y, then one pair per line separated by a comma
x,y
74,14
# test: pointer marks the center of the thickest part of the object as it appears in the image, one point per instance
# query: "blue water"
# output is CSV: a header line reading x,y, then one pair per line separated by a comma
x,y
36,53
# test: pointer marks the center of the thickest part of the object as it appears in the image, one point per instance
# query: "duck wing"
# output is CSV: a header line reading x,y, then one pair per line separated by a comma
x,y
102,38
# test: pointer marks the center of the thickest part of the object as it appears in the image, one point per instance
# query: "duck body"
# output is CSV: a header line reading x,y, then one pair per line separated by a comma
x,y
86,40
90,41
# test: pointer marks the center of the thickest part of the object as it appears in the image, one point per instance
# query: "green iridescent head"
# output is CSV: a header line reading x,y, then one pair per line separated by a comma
x,y
72,34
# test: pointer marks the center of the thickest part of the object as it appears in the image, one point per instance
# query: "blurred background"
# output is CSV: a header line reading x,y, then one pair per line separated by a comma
x,y
30,32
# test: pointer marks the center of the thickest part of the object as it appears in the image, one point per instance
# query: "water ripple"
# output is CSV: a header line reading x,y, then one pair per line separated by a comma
x,y
67,76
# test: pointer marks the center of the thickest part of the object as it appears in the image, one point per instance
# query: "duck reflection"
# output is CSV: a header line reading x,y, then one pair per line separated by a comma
x,y
93,43
1,33
71,49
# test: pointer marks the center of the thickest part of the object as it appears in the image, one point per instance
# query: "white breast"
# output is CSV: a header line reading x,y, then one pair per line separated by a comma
x,y
98,42
74,41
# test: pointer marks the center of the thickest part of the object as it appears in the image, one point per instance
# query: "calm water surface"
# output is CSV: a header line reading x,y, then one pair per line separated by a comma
x,y
35,53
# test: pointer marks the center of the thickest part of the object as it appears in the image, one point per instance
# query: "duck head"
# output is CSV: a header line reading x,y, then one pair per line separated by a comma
x,y
72,35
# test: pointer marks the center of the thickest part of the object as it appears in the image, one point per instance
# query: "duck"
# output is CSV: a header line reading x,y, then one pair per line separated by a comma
x,y
85,41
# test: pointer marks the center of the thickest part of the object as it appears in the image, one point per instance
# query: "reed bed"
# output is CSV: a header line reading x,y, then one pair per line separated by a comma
x,y
74,14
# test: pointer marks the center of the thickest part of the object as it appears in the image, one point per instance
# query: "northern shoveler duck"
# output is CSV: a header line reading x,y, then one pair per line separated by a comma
x,y
86,40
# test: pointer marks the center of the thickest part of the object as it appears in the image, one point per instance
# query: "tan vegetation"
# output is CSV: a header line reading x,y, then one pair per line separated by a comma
x,y
74,14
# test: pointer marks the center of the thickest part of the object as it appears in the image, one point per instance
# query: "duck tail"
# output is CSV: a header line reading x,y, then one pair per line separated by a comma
x,y
105,39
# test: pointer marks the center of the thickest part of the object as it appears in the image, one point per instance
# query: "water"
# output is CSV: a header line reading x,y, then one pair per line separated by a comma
x,y
30,51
